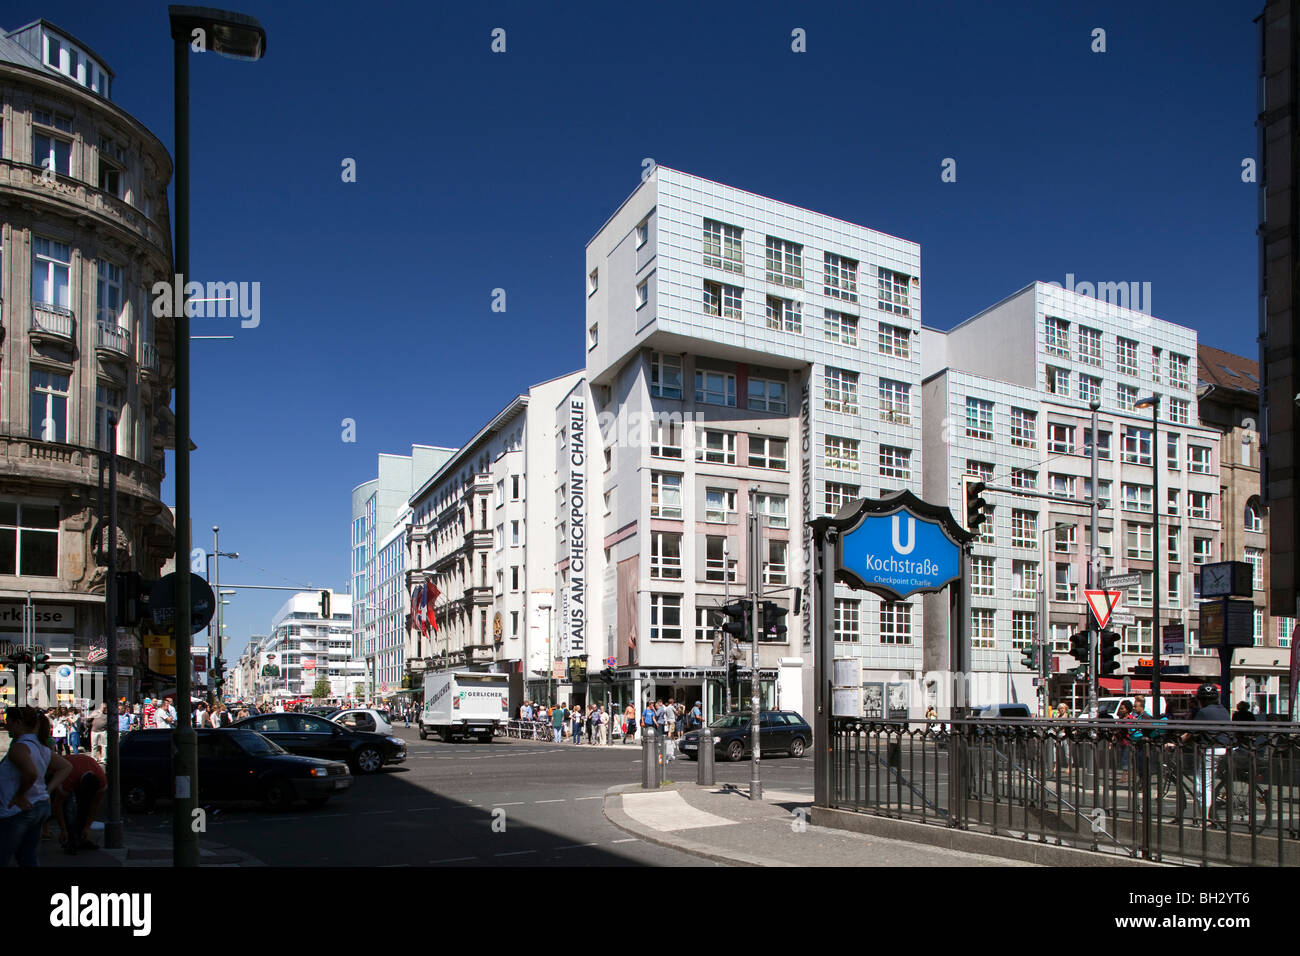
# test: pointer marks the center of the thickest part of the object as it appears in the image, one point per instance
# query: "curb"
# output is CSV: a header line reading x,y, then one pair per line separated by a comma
x,y
622,821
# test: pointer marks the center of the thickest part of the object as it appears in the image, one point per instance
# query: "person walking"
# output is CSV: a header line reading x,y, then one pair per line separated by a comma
x,y
575,717
557,723
58,731
1242,712
629,723
99,733
24,797
1207,696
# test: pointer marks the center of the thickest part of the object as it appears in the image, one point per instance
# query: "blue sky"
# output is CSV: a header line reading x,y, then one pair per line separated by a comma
x,y
479,171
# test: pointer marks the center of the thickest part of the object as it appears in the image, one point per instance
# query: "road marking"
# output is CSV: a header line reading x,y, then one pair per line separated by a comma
x,y
515,853
454,859
575,846
517,803
548,801
599,796
366,813
628,840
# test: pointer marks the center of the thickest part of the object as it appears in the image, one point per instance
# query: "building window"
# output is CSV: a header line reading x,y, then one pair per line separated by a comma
x,y
1174,589
109,293
1254,515
665,555
767,452
108,401
1201,550
784,262
723,247
514,578
1058,381
665,495
643,293
29,539
1089,346
1179,370
715,388
1024,529
1198,459
841,277
52,152
1173,460
784,315
982,628
895,462
515,539
841,453
1066,583
1057,336
723,300
1089,388
719,504
891,295
665,375
838,495
895,401
981,576
1126,397
1137,541
707,622
1060,439
895,622
1171,506
1103,492
847,625
1174,544
776,508
1137,498
775,570
1178,409
665,617
1285,628
979,419
1137,638
593,336
1255,558
665,438
841,327
1065,539
1259,627
1126,356
1062,485
1155,365
1137,445
1140,595
49,406
841,391
51,263
1198,505
716,448
716,559
1024,425
766,395
1024,629
1024,579
593,281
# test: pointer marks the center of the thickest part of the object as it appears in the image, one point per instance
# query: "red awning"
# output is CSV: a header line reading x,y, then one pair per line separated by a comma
x,y
1137,686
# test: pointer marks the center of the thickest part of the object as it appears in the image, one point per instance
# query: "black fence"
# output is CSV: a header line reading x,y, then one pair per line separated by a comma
x,y
1188,792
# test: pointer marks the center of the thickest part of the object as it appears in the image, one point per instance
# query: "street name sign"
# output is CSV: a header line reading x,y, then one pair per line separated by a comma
x,y
898,546
1102,603
1123,580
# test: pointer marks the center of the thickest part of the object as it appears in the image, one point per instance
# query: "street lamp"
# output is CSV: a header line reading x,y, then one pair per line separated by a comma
x,y
241,36
1153,402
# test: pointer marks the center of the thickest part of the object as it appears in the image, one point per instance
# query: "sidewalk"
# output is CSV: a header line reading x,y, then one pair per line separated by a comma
x,y
143,846
722,824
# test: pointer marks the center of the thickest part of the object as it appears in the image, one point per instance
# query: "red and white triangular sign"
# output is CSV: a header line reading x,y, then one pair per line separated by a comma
x,y
1102,603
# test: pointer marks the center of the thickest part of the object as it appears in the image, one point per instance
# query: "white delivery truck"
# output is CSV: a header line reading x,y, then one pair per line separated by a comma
x,y
464,704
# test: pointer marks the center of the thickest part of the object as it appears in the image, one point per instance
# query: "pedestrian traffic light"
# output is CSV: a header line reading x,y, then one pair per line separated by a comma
x,y
325,605
737,622
732,671
773,629
1029,657
1079,646
40,662
1107,652
972,488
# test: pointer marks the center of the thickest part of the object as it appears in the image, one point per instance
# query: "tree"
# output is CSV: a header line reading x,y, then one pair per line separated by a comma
x,y
322,688
359,691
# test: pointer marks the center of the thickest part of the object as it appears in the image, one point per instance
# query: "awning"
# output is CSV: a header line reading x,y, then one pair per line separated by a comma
x,y
1137,686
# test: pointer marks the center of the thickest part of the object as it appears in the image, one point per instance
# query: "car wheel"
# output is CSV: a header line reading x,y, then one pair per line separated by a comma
x,y
138,797
369,760
796,747
317,802
735,751
444,736
423,735
277,794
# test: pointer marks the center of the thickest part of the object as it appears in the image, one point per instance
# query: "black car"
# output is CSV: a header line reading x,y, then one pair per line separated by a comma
x,y
779,731
232,765
313,736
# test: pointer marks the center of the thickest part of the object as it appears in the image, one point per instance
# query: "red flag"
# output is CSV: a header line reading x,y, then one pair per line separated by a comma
x,y
415,605
433,600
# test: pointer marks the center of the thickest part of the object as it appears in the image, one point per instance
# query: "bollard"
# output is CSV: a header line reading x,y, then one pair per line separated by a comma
x,y
704,775
650,773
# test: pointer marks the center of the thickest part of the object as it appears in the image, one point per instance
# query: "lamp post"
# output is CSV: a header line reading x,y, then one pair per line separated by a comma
x,y
1153,402
242,37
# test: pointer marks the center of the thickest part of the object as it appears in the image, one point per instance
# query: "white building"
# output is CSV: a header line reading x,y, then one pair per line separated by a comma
x,y
303,647
488,546
1006,397
733,341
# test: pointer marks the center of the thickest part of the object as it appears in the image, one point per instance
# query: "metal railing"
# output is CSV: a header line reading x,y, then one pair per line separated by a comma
x,y
113,338
1186,792
53,320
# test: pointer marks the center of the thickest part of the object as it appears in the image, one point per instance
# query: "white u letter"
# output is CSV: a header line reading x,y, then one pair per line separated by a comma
x,y
911,536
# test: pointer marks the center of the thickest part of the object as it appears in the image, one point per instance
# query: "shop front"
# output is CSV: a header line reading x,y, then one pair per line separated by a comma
x,y
687,685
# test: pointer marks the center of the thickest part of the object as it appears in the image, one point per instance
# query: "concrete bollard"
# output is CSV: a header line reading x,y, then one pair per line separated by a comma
x,y
650,760
704,774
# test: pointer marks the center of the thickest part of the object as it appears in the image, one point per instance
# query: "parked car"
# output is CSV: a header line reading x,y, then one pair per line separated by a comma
x,y
232,765
312,736
779,731
365,719
1002,710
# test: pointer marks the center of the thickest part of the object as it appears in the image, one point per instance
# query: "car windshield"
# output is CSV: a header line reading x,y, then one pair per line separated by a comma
x,y
252,743
729,722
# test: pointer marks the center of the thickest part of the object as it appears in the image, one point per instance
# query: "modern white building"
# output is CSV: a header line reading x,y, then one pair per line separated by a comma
x,y
380,515
303,647
488,545
733,341
1006,397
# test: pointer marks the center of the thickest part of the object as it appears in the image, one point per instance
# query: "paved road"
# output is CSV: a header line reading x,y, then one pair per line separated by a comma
x,y
439,808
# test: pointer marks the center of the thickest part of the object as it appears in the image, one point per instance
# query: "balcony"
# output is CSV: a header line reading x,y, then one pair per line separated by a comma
x,y
53,323
150,365
481,594
481,538
112,341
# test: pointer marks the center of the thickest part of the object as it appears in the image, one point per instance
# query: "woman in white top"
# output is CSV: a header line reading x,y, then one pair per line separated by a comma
x,y
59,731
24,797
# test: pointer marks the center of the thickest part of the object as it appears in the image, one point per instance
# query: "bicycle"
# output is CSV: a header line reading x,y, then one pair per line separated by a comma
x,y
1241,803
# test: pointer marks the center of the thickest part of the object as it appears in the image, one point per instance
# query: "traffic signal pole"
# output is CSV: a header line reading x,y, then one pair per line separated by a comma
x,y
1093,632
755,593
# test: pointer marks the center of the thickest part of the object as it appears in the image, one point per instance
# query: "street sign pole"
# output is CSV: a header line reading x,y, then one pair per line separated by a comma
x,y
755,593
1094,634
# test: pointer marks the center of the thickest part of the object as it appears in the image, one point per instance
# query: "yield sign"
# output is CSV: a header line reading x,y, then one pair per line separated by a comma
x,y
1102,603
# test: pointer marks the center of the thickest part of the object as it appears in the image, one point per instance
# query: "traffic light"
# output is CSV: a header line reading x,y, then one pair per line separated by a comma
x,y
773,629
1079,646
41,662
1029,657
732,671
325,605
1107,653
972,488
737,622
131,595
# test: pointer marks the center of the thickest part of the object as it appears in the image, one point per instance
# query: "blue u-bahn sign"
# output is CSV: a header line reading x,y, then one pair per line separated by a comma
x,y
898,546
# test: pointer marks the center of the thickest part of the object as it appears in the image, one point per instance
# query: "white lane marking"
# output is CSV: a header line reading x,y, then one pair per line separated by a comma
x,y
576,846
597,797
516,803
548,801
453,859
515,853
628,840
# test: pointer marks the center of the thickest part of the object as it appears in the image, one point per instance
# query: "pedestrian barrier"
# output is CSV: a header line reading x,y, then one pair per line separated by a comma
x,y
1195,793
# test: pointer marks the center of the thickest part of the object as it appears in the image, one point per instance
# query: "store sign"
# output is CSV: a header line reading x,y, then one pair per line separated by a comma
x,y
46,618
575,624
805,472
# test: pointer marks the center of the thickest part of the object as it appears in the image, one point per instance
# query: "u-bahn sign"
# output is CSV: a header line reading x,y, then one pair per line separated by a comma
x,y
898,546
